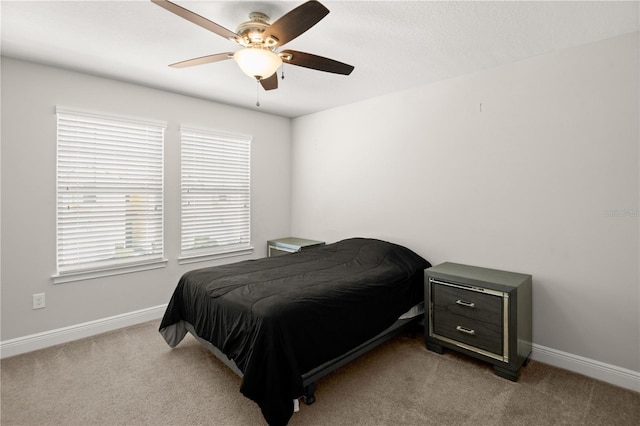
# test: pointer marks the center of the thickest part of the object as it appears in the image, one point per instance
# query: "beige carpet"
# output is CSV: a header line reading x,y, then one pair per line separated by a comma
x,y
131,377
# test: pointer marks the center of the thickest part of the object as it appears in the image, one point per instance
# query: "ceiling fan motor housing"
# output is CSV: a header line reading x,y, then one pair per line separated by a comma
x,y
251,33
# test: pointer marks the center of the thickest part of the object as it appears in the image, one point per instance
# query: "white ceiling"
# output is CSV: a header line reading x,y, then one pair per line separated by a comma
x,y
394,45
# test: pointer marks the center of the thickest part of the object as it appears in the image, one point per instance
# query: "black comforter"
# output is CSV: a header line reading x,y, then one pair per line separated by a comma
x,y
280,317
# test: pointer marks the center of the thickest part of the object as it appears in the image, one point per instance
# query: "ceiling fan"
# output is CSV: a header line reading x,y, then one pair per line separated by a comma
x,y
259,57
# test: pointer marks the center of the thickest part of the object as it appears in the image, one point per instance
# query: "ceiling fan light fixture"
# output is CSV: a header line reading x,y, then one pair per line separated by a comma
x,y
257,62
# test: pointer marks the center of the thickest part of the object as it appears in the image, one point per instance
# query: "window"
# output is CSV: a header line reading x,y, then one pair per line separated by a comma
x,y
109,193
215,190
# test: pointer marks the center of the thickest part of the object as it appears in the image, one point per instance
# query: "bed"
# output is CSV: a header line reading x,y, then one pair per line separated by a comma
x,y
284,322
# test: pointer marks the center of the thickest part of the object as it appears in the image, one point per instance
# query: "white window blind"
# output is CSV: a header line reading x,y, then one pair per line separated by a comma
x,y
109,191
215,189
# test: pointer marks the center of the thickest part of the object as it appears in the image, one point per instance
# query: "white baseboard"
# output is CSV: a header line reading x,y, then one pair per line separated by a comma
x,y
618,376
46,339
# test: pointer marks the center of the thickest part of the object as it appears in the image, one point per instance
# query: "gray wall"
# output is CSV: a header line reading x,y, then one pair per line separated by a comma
x,y
542,178
30,94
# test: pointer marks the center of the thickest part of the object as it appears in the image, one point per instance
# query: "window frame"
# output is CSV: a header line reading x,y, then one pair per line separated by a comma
x,y
192,255
128,263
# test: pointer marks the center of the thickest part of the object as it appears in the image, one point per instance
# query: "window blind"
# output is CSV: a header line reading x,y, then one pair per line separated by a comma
x,y
109,191
215,191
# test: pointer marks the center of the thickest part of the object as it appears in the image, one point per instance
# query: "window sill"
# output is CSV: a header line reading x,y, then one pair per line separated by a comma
x,y
107,272
194,258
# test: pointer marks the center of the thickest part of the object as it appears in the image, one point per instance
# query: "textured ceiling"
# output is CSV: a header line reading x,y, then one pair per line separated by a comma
x,y
394,45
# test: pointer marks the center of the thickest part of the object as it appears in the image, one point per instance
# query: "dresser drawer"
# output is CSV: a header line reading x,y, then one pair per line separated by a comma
x,y
468,303
479,334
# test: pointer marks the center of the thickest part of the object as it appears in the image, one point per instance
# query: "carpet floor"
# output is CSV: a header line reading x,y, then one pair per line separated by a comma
x,y
131,377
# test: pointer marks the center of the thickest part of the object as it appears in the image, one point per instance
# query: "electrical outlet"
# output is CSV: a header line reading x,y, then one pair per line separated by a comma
x,y
38,301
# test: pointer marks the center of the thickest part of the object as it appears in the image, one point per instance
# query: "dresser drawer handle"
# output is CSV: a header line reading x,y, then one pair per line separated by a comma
x,y
465,330
467,304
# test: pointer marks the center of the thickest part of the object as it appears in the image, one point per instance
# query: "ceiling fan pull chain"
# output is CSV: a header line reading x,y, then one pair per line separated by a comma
x,y
257,92
282,71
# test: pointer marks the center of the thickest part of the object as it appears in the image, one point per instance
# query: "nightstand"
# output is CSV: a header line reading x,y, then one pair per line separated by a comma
x,y
290,245
484,313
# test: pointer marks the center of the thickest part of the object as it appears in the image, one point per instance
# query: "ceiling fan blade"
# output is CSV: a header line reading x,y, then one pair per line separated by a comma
x,y
196,19
270,83
296,22
315,62
203,60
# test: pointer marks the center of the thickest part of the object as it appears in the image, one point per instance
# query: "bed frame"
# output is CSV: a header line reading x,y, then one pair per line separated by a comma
x,y
310,378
